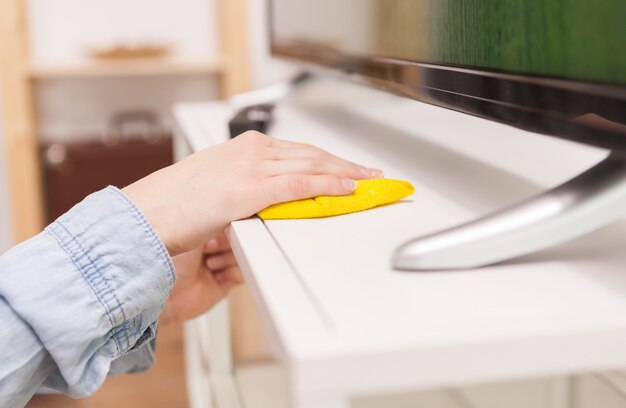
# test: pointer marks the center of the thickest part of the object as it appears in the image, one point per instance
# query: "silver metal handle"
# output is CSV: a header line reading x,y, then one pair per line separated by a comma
x,y
583,204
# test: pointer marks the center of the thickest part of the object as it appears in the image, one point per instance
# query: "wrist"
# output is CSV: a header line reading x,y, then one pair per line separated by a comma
x,y
157,213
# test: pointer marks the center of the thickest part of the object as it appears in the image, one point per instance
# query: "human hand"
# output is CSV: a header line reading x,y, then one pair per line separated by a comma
x,y
196,198
204,276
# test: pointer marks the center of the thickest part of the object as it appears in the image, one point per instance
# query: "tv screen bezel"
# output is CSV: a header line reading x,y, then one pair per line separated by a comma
x,y
582,111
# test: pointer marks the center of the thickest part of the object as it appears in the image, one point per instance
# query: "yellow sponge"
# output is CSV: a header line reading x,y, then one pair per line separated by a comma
x,y
368,194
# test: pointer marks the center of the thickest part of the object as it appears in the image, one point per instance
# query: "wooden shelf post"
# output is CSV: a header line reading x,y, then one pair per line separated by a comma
x,y
20,130
233,22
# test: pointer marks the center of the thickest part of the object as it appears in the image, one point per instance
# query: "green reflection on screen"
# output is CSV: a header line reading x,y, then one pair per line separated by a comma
x,y
562,38
577,39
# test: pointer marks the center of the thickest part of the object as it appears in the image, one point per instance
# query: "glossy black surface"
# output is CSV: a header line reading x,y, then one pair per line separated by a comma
x,y
524,92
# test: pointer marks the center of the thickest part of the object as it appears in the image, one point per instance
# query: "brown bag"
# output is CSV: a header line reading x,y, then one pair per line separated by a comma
x,y
134,146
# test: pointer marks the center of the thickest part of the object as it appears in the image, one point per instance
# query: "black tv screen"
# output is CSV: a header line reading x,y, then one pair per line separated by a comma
x,y
553,66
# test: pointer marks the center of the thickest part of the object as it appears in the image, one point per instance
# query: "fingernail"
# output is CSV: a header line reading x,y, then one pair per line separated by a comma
x,y
350,185
377,173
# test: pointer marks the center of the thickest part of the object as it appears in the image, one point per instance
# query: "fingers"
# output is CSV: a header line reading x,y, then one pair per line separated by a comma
x,y
312,160
220,261
315,157
282,157
298,186
216,245
318,167
228,278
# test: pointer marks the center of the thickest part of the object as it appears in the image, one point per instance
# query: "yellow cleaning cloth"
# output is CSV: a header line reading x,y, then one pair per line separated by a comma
x,y
368,194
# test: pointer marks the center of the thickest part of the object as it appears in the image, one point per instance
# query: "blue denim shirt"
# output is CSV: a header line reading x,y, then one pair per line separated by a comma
x,y
81,300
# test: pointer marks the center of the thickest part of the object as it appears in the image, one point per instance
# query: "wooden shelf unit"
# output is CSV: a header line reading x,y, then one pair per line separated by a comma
x,y
124,68
18,77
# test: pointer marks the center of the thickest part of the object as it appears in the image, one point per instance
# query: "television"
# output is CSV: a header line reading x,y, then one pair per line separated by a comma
x,y
556,67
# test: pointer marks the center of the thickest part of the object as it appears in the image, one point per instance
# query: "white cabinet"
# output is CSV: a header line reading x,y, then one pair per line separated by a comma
x,y
344,325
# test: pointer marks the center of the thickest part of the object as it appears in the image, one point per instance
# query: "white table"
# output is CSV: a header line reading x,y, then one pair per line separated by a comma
x,y
344,324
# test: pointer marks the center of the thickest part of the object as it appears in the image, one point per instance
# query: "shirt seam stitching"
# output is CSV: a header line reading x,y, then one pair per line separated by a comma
x,y
155,240
51,230
118,328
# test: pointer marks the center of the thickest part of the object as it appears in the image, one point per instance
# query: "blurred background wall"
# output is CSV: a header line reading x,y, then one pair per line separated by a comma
x,y
79,109
62,31
188,26
5,226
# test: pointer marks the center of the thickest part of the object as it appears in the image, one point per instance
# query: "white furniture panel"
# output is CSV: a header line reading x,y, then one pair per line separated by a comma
x,y
345,324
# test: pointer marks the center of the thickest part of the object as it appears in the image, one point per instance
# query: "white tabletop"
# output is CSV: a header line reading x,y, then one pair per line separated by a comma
x,y
346,323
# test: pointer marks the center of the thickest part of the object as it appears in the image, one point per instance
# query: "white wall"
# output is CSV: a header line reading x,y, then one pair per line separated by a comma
x,y
61,31
265,69
72,109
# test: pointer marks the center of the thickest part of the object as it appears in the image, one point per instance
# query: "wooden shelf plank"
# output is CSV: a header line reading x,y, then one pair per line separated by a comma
x,y
131,67
20,126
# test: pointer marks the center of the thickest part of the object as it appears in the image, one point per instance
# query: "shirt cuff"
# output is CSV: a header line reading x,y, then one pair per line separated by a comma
x,y
124,263
99,297
137,360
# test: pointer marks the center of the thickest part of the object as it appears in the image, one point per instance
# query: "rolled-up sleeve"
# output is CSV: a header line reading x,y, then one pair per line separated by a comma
x,y
81,299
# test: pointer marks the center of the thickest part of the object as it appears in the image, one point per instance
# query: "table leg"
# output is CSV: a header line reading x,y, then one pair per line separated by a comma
x,y
560,393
